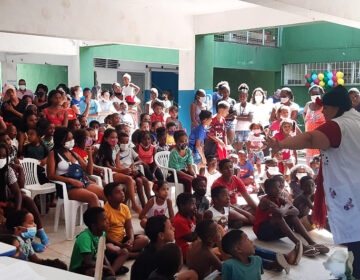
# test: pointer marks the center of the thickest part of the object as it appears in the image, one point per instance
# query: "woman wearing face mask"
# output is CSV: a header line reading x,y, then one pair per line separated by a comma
x,y
261,110
11,198
286,98
40,99
296,173
65,166
313,117
197,106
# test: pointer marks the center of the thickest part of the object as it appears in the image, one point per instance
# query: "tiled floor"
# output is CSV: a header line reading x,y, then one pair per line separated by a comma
x,y
308,269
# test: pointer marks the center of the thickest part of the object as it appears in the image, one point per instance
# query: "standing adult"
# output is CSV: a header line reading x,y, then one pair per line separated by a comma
x,y
261,110
23,90
116,97
107,107
244,117
286,98
76,93
354,94
197,106
12,110
313,117
89,107
55,113
276,97
153,98
338,191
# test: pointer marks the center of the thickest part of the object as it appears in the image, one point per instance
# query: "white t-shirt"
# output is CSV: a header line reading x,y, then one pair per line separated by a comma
x,y
262,114
127,118
106,105
243,112
256,140
127,157
293,107
167,104
128,91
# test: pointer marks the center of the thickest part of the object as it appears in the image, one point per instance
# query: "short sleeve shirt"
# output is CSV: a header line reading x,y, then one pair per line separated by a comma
x,y
85,242
116,219
256,141
183,227
243,112
127,157
245,170
26,247
217,129
198,133
94,108
236,186
178,162
332,131
234,269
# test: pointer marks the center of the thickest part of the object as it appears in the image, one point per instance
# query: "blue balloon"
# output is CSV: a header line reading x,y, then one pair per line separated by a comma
x,y
330,75
331,82
312,84
314,76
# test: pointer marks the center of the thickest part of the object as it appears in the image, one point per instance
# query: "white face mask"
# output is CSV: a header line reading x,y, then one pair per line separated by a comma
x,y
81,94
2,162
257,131
314,97
124,147
284,100
202,99
69,144
96,133
300,175
22,87
258,98
273,170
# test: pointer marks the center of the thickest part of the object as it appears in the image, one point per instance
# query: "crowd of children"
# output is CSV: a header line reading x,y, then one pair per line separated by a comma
x,y
215,162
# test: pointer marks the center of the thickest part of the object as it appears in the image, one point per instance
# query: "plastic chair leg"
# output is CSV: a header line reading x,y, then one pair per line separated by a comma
x,y
59,206
43,204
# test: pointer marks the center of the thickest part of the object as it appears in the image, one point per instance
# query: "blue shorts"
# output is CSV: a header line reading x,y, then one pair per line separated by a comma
x,y
257,157
242,136
229,125
197,158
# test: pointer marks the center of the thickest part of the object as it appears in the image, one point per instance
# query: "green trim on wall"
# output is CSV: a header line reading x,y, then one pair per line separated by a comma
x,y
204,61
34,74
121,52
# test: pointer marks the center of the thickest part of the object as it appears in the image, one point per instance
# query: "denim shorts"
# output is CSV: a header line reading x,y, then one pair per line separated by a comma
x,y
197,158
229,125
242,136
257,157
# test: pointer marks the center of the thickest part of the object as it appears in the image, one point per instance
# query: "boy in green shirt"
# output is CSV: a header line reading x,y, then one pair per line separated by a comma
x,y
83,258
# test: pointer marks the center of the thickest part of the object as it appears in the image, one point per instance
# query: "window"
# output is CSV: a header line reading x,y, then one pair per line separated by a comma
x,y
294,74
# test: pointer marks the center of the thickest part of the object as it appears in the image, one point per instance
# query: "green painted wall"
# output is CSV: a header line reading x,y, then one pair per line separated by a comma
x,y
51,75
204,61
121,52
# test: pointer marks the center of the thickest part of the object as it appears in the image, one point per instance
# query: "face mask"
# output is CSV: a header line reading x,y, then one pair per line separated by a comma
x,y
200,192
258,99
88,142
96,133
123,111
113,142
284,100
314,97
273,170
2,162
31,232
171,132
316,171
257,131
22,87
202,99
277,94
69,144
183,146
124,147
81,94
300,175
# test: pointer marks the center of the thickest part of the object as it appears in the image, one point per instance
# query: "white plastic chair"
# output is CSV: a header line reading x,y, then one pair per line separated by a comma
x,y
32,183
108,174
162,161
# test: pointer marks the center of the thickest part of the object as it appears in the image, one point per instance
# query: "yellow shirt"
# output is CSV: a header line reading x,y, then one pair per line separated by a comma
x,y
116,219
170,139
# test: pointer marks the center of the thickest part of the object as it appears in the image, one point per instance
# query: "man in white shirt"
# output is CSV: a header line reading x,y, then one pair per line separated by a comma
x,y
23,91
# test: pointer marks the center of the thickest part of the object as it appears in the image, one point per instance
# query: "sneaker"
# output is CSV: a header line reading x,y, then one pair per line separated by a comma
x,y
43,237
38,247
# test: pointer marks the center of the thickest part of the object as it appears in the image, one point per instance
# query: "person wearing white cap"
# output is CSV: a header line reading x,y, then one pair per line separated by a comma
x,y
153,97
354,94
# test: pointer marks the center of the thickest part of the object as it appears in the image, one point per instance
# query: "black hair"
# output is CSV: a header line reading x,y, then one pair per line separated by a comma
x,y
15,219
158,184
230,240
43,87
91,216
43,125
4,174
205,114
22,80
197,180
71,124
143,115
79,137
105,152
86,89
142,135
8,238
27,114
170,124
94,122
52,93
157,103
60,135
183,199
259,124
304,179
178,134
216,191
64,87
210,157
154,226
111,116
268,160
223,162
122,134
222,105
135,136
269,183
168,259
160,131
202,229
154,123
109,188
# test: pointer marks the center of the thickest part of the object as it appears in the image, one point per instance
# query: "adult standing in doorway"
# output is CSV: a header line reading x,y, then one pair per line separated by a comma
x,y
23,90
354,94
338,191
313,117
196,107
286,98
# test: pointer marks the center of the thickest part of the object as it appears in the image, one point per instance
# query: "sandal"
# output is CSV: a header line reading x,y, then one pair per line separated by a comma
x,y
282,262
122,270
300,253
310,251
321,248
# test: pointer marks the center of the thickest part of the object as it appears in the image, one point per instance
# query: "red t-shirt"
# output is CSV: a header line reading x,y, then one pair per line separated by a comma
x,y
217,129
262,215
183,227
286,154
83,154
155,117
237,186
71,114
332,131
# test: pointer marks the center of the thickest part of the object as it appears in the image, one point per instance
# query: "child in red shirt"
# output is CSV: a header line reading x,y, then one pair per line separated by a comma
x,y
158,114
184,221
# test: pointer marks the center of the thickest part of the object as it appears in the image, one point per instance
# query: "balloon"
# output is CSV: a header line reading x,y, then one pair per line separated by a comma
x,y
307,76
313,73
316,81
330,83
334,72
334,78
340,82
326,73
309,80
322,84
335,84
330,75
339,75
314,76
326,79
321,76
307,85
312,84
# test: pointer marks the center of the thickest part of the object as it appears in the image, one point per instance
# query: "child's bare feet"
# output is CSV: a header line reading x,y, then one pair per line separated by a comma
x,y
291,256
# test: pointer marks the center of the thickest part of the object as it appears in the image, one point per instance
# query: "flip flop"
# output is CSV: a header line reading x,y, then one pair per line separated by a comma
x,y
310,251
321,248
299,254
282,262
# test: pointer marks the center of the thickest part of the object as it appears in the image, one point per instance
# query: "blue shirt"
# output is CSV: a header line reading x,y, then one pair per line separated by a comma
x,y
77,102
246,169
198,133
234,269
275,100
92,110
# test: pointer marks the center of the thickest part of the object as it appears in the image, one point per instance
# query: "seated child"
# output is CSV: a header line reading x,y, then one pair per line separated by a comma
x,y
285,189
315,165
275,218
154,126
271,169
158,114
35,148
202,203
120,231
184,222
83,122
170,130
234,186
296,173
160,204
173,112
21,224
144,126
255,145
200,256
161,138
246,172
12,132
47,130
210,172
84,254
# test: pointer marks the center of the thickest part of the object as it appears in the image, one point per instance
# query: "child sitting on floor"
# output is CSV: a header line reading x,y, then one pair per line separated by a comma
x,y
120,231
296,173
246,172
184,222
160,204
202,203
275,218
315,166
84,254
210,172
271,169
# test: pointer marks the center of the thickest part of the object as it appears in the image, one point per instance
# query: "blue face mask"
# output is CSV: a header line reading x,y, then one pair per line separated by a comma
x,y
31,232
316,171
171,132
